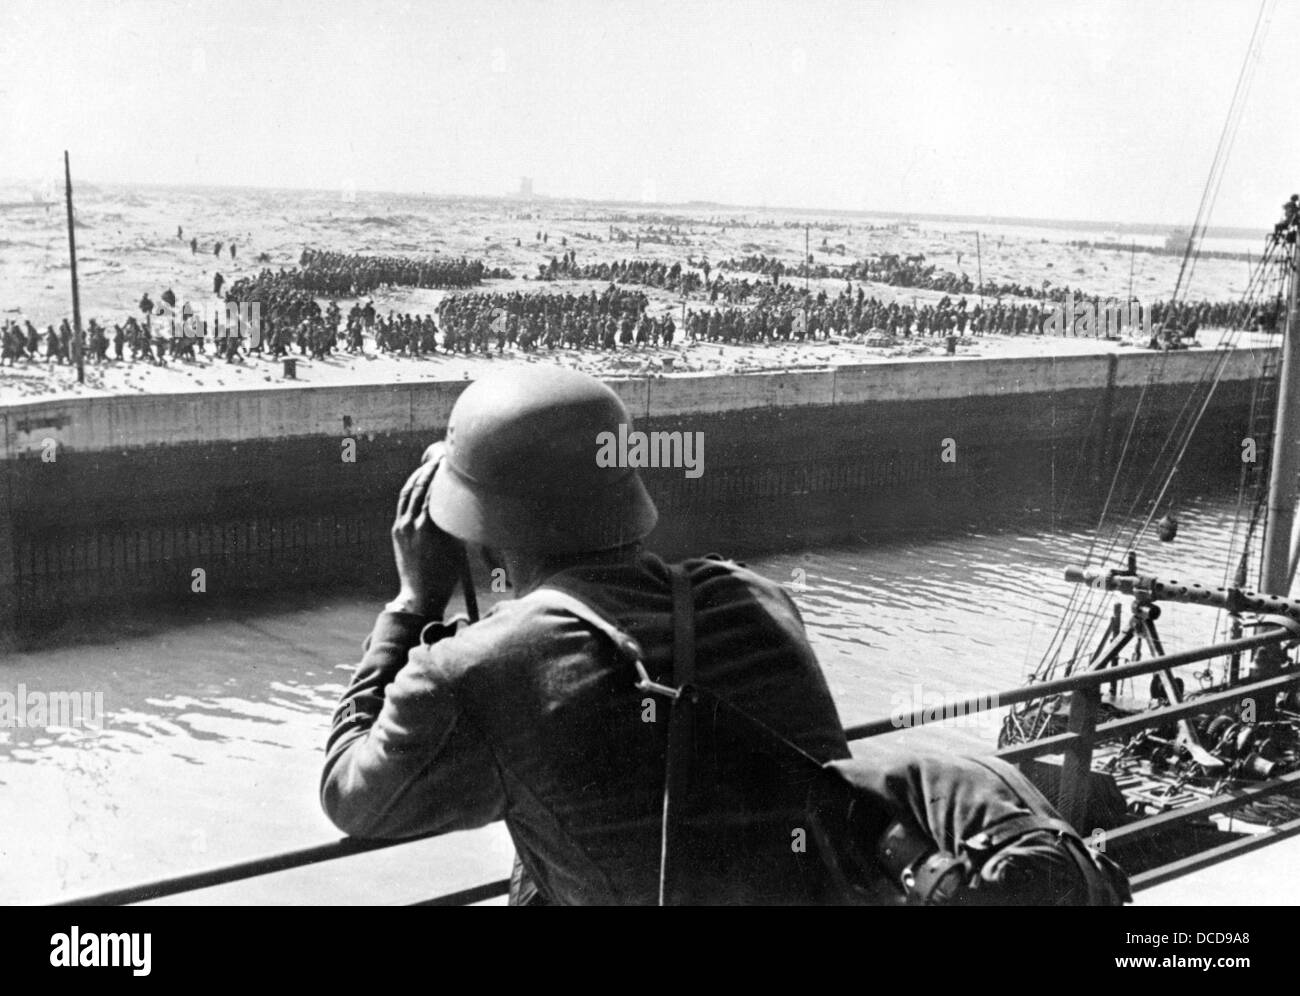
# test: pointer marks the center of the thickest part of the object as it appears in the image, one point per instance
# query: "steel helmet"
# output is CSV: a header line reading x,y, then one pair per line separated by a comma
x,y
520,469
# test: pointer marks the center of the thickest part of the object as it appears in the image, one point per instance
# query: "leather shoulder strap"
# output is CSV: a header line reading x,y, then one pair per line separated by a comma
x,y
683,628
683,622
677,767
997,836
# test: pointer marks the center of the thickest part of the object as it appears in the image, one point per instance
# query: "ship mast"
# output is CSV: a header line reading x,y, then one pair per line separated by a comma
x,y
1275,570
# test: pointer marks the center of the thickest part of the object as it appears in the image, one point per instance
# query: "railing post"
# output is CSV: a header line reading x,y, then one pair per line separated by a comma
x,y
1077,765
1116,628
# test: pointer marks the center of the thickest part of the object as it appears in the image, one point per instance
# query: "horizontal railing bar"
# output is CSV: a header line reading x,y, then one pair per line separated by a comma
x,y
1203,859
491,890
238,872
1144,720
1070,683
349,846
1219,804
1036,748
467,897
1191,707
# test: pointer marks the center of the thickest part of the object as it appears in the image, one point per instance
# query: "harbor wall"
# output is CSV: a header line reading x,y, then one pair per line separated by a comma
x,y
110,501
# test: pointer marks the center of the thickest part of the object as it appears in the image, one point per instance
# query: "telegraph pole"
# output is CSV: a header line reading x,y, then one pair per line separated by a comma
x,y
72,253
1132,256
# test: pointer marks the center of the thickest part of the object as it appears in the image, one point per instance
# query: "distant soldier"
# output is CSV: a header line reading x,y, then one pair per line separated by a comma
x,y
217,282
144,344
231,345
180,234
232,250
194,247
11,345
216,251
98,343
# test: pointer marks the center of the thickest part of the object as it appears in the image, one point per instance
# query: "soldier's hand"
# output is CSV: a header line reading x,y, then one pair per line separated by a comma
x,y
428,559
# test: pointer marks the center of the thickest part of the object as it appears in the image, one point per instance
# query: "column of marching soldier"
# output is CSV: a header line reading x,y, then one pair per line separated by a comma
x,y
740,310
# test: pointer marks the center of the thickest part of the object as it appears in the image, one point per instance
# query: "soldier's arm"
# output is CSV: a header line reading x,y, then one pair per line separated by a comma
x,y
402,758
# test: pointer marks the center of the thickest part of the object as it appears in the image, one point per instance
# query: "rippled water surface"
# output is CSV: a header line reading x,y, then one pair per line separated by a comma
x,y
213,735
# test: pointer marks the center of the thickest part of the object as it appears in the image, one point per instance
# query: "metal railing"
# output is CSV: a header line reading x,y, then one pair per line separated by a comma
x,y
1076,746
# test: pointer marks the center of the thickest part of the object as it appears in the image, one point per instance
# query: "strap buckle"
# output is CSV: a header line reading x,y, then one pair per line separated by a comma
x,y
936,880
648,684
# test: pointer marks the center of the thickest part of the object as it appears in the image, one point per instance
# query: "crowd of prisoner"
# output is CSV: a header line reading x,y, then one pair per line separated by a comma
x,y
773,307
889,268
672,277
338,274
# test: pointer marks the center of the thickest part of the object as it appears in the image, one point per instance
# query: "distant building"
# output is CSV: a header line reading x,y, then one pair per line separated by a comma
x,y
1177,241
525,186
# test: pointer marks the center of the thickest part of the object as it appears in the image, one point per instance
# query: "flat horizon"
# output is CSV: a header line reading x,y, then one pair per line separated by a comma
x,y
1131,227
1089,109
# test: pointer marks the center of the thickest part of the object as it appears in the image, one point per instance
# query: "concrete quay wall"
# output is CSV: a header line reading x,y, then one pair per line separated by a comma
x,y
125,422
251,486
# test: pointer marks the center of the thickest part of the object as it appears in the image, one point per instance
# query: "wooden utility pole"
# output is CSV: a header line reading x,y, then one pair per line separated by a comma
x,y
1132,256
72,254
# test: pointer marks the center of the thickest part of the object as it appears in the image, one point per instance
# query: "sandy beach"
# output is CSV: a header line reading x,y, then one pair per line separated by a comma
x,y
127,245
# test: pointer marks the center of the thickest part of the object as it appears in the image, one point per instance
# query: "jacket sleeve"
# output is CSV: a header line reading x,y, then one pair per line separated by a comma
x,y
402,758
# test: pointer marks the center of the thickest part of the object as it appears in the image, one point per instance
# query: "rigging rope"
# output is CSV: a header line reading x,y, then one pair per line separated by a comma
x,y
1080,604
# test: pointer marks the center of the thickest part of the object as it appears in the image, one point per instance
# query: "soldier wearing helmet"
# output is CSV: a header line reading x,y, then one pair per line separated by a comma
x,y
533,713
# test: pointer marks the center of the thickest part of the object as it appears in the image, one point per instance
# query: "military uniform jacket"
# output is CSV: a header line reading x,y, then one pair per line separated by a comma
x,y
531,715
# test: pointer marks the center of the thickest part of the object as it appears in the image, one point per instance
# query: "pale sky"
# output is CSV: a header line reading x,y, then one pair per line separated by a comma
x,y
1096,110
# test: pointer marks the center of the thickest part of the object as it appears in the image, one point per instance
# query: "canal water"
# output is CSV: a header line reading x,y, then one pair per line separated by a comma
x,y
213,725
